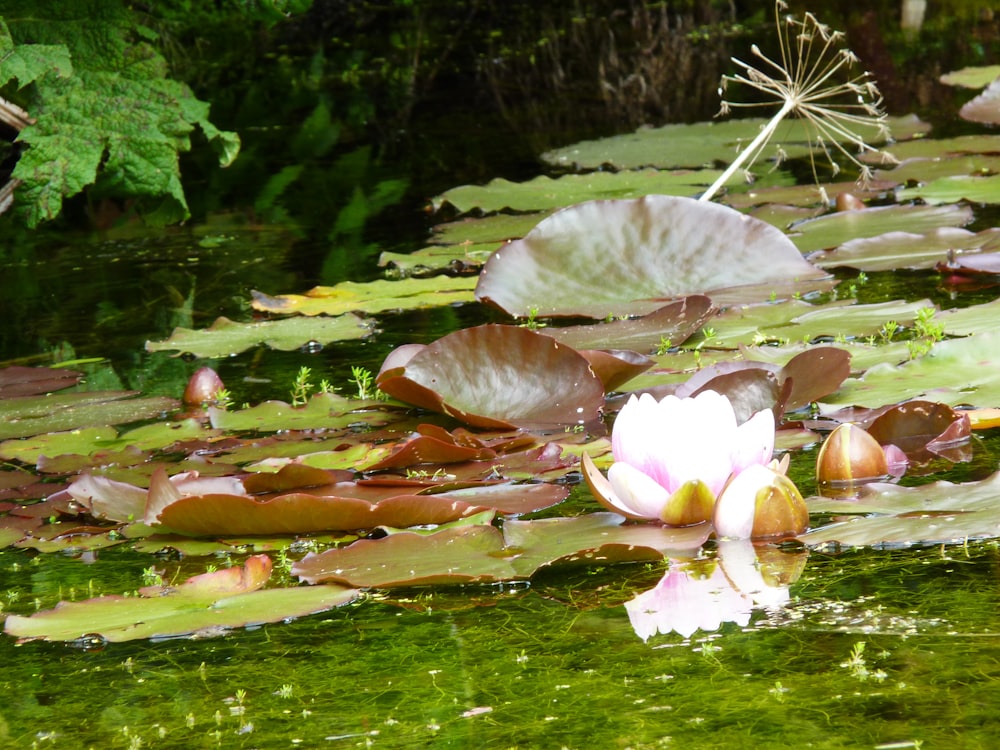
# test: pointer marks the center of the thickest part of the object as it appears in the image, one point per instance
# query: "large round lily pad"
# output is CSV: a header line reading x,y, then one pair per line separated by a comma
x,y
496,376
627,256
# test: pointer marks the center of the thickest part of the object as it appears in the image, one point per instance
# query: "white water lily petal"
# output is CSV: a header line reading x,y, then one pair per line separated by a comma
x,y
735,508
754,442
635,492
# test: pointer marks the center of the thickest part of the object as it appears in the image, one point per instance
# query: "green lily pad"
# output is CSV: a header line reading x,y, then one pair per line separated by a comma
x,y
795,320
481,554
837,228
34,415
547,193
809,195
939,147
10,536
938,513
497,228
88,441
973,77
955,372
984,108
225,337
344,457
893,250
953,189
698,145
322,411
285,445
463,246
628,257
925,169
370,297
465,257
205,604
971,320
855,321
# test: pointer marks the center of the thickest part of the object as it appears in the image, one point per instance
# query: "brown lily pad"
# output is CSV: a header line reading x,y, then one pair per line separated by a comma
x,y
675,323
922,429
481,554
496,377
33,381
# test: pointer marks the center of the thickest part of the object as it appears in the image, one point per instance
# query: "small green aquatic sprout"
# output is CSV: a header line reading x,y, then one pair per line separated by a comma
x,y
223,398
532,323
152,577
927,331
778,691
888,330
925,325
664,346
302,386
813,81
364,380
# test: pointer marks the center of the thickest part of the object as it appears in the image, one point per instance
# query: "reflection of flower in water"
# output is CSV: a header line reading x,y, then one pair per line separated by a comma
x,y
686,600
705,594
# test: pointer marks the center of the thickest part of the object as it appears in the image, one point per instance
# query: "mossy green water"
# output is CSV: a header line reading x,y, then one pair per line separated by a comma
x,y
877,648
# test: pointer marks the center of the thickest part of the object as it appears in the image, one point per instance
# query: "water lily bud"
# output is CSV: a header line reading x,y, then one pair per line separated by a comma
x,y
203,387
760,503
849,202
850,456
781,511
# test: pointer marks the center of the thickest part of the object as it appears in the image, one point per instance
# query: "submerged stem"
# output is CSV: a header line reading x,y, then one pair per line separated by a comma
x,y
765,134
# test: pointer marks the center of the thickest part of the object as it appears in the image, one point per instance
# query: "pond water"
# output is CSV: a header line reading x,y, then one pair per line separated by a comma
x,y
888,646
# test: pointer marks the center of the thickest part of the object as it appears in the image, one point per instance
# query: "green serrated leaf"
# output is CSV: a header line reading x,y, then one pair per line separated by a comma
x,y
113,121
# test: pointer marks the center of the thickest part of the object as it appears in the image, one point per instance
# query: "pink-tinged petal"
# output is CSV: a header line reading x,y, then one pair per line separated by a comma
x,y
676,441
633,438
896,460
695,442
635,492
754,441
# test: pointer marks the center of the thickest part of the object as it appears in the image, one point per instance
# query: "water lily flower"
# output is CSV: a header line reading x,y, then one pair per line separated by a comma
x,y
674,456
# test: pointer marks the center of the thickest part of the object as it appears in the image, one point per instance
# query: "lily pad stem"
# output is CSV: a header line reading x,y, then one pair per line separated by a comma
x,y
755,145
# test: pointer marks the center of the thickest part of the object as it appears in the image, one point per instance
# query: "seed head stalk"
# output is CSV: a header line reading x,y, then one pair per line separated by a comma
x,y
806,82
